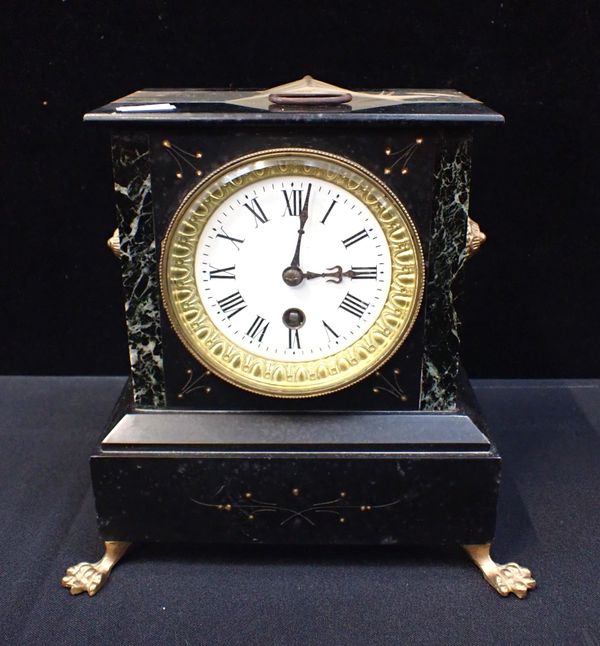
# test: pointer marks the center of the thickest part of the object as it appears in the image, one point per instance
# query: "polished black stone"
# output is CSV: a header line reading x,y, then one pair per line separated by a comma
x,y
425,162
435,189
217,107
284,432
406,478
400,498
399,457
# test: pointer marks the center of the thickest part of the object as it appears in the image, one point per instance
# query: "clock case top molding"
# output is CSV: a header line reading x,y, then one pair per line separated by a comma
x,y
399,457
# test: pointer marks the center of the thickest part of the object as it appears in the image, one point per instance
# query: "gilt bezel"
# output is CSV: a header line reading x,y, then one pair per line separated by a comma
x,y
277,378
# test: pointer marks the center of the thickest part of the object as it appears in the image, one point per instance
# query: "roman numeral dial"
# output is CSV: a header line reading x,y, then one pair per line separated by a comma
x,y
343,270
330,332
329,210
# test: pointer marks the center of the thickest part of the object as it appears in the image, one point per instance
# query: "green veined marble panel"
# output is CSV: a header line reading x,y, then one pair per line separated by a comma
x,y
447,256
131,168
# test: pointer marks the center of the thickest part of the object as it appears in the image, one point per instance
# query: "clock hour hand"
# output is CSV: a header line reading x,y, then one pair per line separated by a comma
x,y
333,274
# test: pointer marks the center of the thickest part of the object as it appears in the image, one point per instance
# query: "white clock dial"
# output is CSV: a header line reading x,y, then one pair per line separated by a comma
x,y
251,239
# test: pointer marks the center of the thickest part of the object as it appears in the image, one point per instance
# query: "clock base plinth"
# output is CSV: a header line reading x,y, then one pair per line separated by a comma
x,y
393,478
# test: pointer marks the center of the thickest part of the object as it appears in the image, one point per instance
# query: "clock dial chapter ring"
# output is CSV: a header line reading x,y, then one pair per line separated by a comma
x,y
207,331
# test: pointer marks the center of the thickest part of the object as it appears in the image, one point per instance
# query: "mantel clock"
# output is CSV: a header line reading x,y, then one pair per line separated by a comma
x,y
291,260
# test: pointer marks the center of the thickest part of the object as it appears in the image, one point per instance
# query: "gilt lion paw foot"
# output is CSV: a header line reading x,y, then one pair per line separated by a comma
x,y
511,577
91,577
84,577
505,578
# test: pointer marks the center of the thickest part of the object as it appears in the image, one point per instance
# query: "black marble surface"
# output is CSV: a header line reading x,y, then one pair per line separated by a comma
x,y
397,385
404,478
427,167
548,519
227,106
297,499
278,432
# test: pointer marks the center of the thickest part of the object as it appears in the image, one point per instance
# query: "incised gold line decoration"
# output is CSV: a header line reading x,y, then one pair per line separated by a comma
x,y
181,156
250,507
194,383
390,386
403,156
286,378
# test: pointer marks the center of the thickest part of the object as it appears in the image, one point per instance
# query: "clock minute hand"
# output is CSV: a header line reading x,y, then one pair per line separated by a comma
x,y
303,218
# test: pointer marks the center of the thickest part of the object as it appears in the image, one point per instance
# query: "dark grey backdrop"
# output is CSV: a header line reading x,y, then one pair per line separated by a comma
x,y
532,297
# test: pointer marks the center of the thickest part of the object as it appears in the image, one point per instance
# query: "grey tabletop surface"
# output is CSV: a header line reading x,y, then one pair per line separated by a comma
x,y
548,433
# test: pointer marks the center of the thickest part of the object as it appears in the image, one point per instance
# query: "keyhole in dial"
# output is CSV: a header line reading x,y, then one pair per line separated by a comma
x,y
293,318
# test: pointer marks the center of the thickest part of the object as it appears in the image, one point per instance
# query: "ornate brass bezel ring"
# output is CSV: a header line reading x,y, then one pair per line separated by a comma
x,y
300,378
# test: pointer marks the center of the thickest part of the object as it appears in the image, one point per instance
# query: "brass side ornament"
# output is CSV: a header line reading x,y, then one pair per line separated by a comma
x,y
504,578
91,577
475,237
114,244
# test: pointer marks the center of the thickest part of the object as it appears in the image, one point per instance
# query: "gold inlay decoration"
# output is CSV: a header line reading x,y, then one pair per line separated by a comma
x,y
182,158
280,378
403,156
250,508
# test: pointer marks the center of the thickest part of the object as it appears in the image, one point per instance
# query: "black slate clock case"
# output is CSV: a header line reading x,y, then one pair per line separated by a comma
x,y
360,144
399,457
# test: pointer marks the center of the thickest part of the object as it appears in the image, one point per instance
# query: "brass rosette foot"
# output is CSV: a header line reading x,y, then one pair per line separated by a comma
x,y
91,577
505,578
